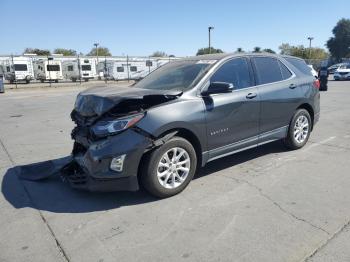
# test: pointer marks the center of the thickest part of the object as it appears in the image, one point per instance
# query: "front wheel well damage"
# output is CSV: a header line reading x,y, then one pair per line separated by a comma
x,y
161,139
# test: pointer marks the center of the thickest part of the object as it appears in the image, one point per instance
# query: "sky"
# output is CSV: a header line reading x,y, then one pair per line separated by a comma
x,y
177,27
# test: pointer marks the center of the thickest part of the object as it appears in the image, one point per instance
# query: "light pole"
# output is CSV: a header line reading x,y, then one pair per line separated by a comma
x,y
310,39
96,45
209,29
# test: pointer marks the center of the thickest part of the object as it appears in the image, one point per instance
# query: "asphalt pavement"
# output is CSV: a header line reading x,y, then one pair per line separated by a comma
x,y
265,204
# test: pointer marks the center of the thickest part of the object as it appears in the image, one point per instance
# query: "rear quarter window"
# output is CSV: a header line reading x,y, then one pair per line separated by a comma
x,y
300,65
285,71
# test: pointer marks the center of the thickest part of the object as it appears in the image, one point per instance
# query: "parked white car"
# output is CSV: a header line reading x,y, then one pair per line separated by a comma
x,y
335,67
313,71
342,73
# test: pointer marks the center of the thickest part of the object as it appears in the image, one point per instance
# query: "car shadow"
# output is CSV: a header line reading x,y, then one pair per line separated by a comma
x,y
55,196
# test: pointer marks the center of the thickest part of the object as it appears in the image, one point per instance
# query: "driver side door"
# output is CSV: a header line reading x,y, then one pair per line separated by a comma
x,y
232,118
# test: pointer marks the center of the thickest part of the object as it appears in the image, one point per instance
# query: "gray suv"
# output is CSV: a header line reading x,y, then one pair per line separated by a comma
x,y
185,114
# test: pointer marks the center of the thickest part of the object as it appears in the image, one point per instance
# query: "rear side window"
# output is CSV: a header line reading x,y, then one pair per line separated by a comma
x,y
268,70
133,68
300,65
235,71
120,69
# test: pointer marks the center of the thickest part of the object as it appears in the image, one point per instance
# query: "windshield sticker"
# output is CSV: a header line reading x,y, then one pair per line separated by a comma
x,y
206,62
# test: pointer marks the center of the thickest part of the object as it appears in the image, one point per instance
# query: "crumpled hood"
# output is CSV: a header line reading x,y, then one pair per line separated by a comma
x,y
99,100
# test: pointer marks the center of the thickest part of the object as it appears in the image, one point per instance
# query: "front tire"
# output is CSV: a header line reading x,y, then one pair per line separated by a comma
x,y
299,130
168,169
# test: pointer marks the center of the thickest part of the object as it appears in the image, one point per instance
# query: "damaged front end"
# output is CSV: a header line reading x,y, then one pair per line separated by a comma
x,y
108,145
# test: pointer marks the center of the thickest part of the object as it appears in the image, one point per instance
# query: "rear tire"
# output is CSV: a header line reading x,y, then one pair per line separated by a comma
x,y
163,178
299,130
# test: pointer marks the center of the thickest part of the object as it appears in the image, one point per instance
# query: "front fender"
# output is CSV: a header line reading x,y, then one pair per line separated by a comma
x,y
188,114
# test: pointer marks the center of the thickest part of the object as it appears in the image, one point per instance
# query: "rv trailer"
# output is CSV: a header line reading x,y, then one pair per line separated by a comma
x,y
124,70
87,68
71,70
19,69
48,70
78,69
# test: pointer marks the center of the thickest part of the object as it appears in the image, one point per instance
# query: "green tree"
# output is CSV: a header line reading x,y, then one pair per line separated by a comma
x,y
65,52
303,52
204,51
285,49
268,50
159,54
240,50
37,51
339,44
257,49
102,51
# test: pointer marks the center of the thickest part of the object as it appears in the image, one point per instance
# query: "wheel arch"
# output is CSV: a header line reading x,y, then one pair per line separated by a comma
x,y
183,133
308,108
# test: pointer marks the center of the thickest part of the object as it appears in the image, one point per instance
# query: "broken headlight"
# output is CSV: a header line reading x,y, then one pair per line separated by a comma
x,y
110,127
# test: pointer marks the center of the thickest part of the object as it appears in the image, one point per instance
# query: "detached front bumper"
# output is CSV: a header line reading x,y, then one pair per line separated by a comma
x,y
91,170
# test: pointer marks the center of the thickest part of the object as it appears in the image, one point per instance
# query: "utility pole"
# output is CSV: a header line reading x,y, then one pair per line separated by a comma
x,y
96,46
310,39
127,67
14,70
209,29
49,68
79,67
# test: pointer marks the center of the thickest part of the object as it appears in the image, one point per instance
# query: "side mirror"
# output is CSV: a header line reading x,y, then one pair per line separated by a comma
x,y
219,88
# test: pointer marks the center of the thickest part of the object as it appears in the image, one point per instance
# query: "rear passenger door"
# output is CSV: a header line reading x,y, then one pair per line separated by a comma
x,y
279,96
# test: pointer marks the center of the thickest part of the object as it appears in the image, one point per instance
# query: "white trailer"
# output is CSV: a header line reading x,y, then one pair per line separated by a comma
x,y
87,68
48,70
81,68
123,70
71,70
19,69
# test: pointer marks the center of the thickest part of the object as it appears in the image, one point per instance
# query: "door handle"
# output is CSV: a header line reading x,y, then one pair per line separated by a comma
x,y
251,95
292,86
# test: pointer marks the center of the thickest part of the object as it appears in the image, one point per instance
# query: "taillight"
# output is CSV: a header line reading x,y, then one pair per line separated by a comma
x,y
316,84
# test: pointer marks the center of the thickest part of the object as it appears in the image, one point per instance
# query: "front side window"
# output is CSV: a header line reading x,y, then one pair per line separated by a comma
x,y
70,68
21,67
267,70
53,68
236,72
86,67
133,68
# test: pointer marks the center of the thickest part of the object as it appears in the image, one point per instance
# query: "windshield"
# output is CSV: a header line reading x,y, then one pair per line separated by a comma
x,y
178,75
